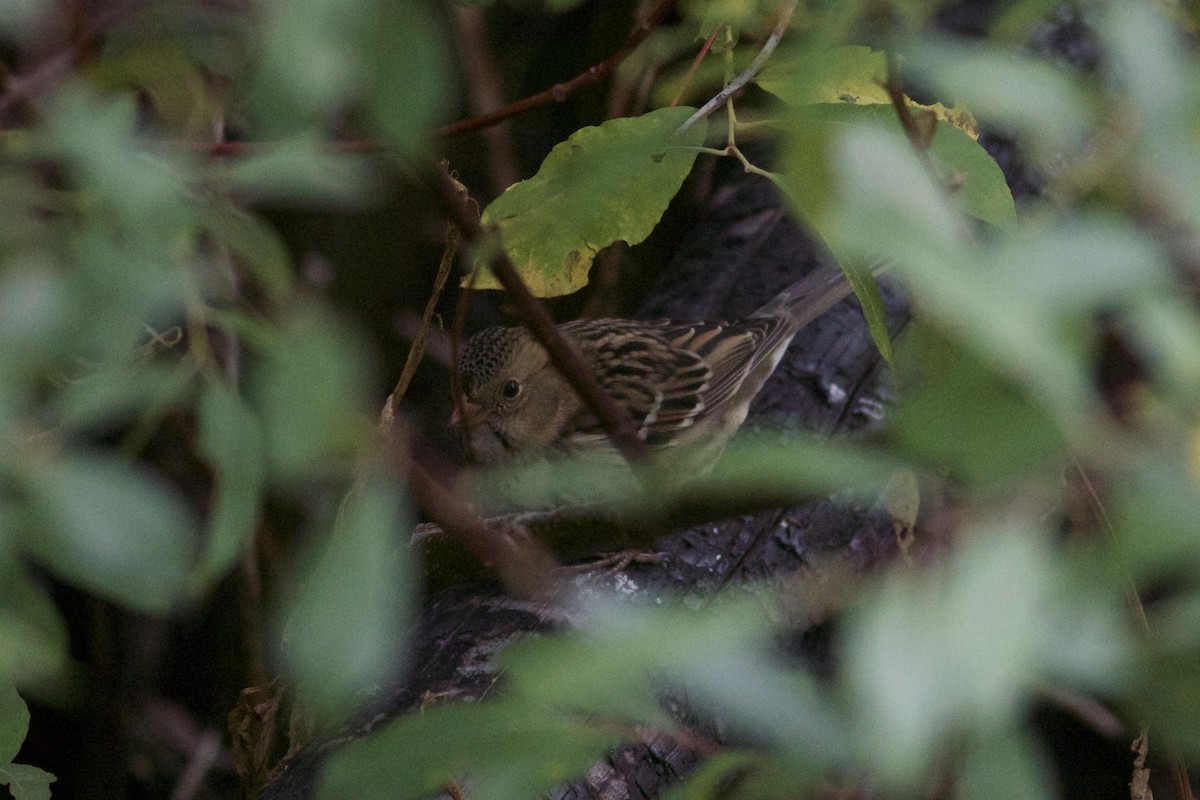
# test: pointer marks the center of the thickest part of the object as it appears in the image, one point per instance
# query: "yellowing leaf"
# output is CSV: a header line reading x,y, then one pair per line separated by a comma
x,y
853,74
603,184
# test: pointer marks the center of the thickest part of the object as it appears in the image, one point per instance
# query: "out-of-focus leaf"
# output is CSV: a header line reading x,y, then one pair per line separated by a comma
x,y
19,16
817,136
301,170
891,211
853,75
1167,329
346,627
605,184
232,442
506,750
310,393
33,636
253,242
1005,764
774,465
962,649
14,720
1031,97
1145,55
106,526
1080,264
26,782
162,72
118,394
97,137
1156,502
1168,696
714,776
941,418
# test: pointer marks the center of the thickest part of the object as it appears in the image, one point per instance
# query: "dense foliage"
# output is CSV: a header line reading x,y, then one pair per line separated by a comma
x,y
188,411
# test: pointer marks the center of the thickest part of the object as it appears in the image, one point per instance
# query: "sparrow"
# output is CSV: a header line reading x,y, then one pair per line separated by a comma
x,y
686,385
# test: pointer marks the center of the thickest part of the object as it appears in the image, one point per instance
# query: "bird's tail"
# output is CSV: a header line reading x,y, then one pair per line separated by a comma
x,y
813,295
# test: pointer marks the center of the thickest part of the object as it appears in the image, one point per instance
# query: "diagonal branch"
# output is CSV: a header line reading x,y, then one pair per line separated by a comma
x,y
564,357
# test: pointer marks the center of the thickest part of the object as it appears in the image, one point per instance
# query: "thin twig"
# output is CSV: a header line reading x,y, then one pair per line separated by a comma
x,y
561,91
417,351
741,80
564,357
691,73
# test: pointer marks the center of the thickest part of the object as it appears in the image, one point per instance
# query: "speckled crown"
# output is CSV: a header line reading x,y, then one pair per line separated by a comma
x,y
484,354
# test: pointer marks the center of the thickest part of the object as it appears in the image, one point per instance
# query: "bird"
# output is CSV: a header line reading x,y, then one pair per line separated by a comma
x,y
685,385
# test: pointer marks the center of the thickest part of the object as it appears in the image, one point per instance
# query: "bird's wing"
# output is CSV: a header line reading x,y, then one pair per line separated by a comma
x,y
662,386
732,350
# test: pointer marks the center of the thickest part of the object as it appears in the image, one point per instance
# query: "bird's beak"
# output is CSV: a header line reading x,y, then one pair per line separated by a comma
x,y
466,415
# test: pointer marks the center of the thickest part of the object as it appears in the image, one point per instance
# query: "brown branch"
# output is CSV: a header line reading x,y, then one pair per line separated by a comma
x,y
564,357
559,92
510,550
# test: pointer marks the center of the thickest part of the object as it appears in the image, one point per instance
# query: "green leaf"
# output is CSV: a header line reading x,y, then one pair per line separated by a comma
x,y
408,71
1033,98
111,528
301,170
505,749
252,241
960,415
1005,763
14,720
816,141
310,392
161,71
33,636
714,776
962,650
346,628
605,184
18,17
232,442
25,782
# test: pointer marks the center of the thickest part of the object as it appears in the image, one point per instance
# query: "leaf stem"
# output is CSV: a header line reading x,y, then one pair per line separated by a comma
x,y
741,80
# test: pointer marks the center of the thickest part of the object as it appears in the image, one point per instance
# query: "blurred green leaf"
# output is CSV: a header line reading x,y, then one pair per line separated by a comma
x,y
33,636
302,170
929,656
346,627
408,72
824,141
310,391
119,394
26,782
773,464
162,72
941,418
715,777
18,17
1038,100
257,245
1005,763
1155,505
1146,56
101,521
607,183
232,442
97,137
507,751
14,720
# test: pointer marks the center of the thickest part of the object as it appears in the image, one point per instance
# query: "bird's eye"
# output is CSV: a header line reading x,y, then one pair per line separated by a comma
x,y
510,389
